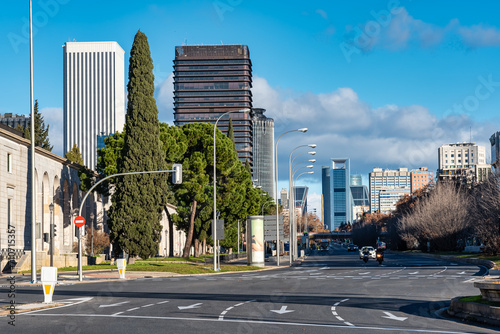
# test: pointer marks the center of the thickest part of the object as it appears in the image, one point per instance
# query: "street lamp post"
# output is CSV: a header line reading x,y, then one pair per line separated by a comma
x,y
51,208
291,203
92,235
214,223
310,172
303,130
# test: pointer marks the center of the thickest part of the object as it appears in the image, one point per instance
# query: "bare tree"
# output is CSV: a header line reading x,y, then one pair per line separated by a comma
x,y
486,213
442,217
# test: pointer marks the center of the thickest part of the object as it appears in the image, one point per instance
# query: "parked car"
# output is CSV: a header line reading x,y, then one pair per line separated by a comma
x,y
372,254
352,248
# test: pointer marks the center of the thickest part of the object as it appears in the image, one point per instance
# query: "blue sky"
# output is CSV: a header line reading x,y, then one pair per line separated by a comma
x,y
383,83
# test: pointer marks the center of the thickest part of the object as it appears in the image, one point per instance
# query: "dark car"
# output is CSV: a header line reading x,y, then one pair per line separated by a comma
x,y
352,248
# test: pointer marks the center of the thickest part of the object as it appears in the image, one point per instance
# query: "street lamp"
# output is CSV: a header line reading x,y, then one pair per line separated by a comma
x,y
295,179
51,208
214,223
291,201
303,130
92,235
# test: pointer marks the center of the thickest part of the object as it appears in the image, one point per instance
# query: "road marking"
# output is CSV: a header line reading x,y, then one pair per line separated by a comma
x,y
364,273
112,305
133,309
66,301
163,302
283,310
416,272
118,313
148,305
190,306
462,273
393,317
261,322
223,313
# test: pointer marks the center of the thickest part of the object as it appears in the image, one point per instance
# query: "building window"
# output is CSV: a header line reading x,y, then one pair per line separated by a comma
x,y
459,155
9,162
452,155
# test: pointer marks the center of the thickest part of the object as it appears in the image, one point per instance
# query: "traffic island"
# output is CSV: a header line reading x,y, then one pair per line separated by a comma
x,y
475,309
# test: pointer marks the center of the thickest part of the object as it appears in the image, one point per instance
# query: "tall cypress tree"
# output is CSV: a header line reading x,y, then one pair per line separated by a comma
x,y
230,133
138,200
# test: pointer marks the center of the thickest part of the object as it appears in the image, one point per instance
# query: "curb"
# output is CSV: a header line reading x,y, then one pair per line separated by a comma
x,y
475,312
486,263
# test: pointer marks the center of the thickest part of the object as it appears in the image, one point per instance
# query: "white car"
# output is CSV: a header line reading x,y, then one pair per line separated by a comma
x,y
372,254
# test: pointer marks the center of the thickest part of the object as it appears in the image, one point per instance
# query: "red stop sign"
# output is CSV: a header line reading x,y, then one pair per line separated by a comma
x,y
79,221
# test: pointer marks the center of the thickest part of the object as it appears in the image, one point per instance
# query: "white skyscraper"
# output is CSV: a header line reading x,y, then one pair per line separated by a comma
x,y
94,95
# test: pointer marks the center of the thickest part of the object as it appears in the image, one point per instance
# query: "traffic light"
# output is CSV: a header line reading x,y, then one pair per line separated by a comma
x,y
46,237
54,230
177,174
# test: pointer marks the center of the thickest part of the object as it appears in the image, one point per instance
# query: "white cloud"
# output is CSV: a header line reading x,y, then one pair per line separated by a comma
x,y
399,30
322,13
343,126
480,36
164,94
54,118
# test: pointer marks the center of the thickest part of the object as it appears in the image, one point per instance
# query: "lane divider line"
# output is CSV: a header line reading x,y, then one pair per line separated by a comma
x,y
223,313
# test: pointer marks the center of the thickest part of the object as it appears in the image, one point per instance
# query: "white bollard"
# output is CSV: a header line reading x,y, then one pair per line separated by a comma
x,y
49,280
121,264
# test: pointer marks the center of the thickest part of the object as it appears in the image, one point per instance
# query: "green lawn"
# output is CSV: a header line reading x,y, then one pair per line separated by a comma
x,y
479,299
179,266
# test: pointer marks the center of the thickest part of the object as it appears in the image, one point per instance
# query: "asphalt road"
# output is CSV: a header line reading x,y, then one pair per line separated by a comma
x,y
330,292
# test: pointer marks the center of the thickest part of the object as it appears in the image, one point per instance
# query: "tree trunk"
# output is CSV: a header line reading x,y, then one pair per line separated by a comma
x,y
196,248
189,238
204,250
170,233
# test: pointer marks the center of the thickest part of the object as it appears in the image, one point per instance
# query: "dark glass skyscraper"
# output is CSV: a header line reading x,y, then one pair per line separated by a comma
x,y
336,193
210,80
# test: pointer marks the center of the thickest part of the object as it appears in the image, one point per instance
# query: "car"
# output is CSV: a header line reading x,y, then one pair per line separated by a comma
x,y
372,254
352,248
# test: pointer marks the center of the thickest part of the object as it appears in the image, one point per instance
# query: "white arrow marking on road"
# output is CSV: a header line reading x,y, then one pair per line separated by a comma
x,y
393,317
111,305
364,273
190,306
462,273
416,272
282,310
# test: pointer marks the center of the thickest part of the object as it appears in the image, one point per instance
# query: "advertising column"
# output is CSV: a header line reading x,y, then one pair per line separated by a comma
x,y
255,244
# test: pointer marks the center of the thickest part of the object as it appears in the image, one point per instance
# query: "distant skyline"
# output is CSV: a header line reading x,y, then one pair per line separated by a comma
x,y
383,83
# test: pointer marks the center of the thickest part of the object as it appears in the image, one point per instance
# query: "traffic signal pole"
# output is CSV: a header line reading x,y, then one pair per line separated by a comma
x,y
176,179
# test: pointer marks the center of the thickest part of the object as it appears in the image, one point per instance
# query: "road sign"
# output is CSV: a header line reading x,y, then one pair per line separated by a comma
x,y
220,229
270,227
79,221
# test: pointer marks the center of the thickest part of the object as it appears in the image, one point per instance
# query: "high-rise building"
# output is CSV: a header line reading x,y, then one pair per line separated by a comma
x,y
421,178
337,199
360,201
284,198
94,95
386,188
210,80
325,197
463,162
263,150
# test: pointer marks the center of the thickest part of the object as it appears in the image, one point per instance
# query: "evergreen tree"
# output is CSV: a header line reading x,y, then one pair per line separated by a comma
x,y
20,128
41,132
74,155
230,133
138,200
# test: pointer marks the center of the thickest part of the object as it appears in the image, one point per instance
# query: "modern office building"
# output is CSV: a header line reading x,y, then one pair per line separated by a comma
x,y
263,150
389,197
284,198
421,178
326,214
495,150
210,80
94,95
463,162
301,199
14,120
337,198
360,200
390,183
